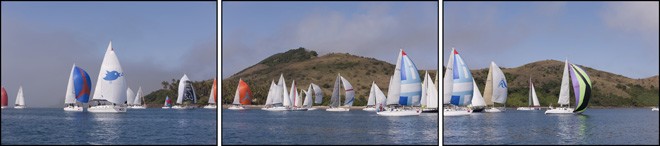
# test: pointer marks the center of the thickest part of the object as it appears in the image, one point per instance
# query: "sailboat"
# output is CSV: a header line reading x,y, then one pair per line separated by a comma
x,y
533,100
429,100
186,93
138,100
295,96
371,102
458,86
78,89
4,98
335,100
318,96
243,96
20,100
130,97
405,88
279,97
168,103
307,104
213,96
654,109
477,104
496,89
110,85
581,88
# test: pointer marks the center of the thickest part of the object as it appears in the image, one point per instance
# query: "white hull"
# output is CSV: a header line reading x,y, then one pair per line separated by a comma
x,y
398,113
73,109
338,109
492,110
430,110
19,107
299,109
275,109
211,107
137,107
236,108
311,109
654,109
166,107
561,110
4,107
455,112
182,107
106,109
528,108
371,109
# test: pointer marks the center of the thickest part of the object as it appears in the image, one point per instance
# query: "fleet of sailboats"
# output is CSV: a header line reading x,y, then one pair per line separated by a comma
x,y
138,100
581,88
110,85
429,99
77,90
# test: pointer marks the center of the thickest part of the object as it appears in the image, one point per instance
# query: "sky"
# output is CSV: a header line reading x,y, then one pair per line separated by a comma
x,y
617,37
154,41
253,31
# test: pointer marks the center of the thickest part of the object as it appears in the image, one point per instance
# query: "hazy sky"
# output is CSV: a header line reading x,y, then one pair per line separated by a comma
x,y
154,41
618,37
253,31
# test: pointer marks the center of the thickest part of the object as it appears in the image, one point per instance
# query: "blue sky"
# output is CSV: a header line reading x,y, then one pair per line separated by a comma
x,y
617,37
154,41
253,31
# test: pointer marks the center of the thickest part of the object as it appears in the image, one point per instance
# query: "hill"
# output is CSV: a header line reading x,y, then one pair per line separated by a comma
x,y
307,67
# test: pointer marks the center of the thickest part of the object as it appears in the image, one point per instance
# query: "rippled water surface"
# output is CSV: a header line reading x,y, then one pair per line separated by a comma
x,y
321,127
148,126
595,126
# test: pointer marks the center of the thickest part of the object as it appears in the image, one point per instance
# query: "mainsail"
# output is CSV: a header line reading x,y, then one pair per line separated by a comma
x,y
20,100
130,95
138,97
533,99
334,99
213,96
563,92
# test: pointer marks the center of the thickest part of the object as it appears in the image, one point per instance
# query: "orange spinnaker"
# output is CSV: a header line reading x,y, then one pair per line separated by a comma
x,y
244,93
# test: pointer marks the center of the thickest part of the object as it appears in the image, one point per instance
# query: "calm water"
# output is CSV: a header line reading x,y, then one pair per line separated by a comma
x,y
149,126
595,126
320,127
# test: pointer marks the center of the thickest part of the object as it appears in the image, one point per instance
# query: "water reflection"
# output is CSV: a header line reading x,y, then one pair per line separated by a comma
x,y
571,128
105,129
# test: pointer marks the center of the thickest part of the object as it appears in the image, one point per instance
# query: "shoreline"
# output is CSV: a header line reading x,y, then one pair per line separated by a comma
x,y
542,107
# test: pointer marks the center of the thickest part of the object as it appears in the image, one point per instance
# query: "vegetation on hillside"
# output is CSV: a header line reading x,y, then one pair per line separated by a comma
x,y
202,90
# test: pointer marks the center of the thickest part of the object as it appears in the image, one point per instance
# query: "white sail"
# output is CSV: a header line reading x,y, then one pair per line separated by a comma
x,y
448,82
269,98
380,96
425,85
308,97
335,99
138,97
294,95
111,82
500,85
432,95
285,95
350,93
182,86
372,95
563,92
488,89
477,99
20,100
277,93
237,94
130,95
535,99
70,96
318,94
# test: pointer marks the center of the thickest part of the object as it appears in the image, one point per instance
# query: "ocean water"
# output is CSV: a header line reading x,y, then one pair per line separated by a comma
x,y
594,126
257,126
135,127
